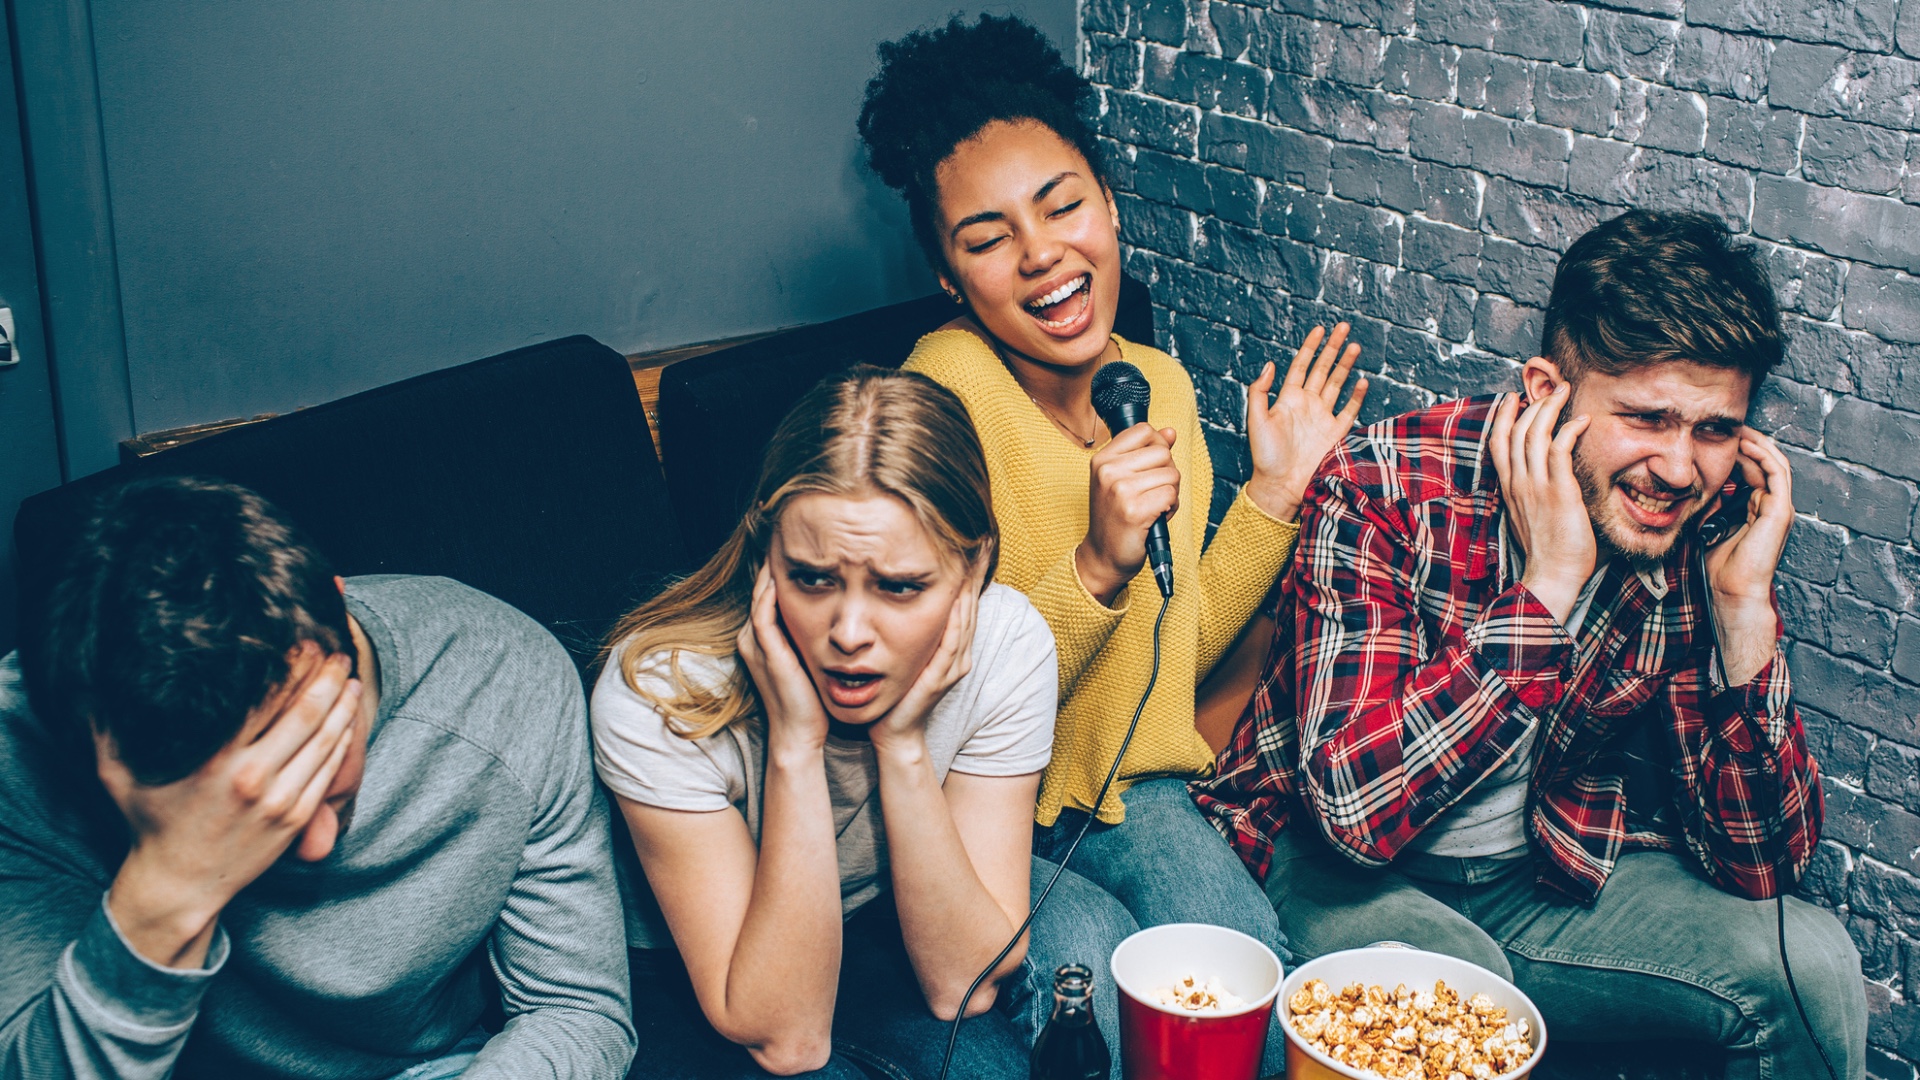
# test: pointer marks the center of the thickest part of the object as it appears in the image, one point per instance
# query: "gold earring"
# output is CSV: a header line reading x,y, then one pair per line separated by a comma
x,y
957,298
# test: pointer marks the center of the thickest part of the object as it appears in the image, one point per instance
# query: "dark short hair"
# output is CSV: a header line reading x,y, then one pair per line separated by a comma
x,y
1651,287
938,88
172,617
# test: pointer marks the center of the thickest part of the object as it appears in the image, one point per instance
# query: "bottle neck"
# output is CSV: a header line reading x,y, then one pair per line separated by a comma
x,y
1072,1010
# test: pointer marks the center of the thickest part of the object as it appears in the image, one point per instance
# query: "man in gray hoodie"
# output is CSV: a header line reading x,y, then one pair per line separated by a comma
x,y
256,821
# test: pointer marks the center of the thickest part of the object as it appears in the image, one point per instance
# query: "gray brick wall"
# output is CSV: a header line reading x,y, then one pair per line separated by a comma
x,y
1417,166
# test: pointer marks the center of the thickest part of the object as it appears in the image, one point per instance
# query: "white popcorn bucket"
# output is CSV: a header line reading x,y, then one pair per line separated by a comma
x,y
1389,966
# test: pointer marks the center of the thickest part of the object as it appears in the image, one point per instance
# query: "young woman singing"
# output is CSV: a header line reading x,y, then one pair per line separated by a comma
x,y
984,130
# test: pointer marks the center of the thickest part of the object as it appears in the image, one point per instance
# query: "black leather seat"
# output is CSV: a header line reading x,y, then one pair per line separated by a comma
x,y
528,475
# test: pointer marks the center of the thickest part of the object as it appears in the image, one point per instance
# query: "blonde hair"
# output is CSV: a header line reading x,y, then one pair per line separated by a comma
x,y
867,430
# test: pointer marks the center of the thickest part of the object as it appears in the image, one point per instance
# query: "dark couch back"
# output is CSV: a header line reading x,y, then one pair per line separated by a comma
x,y
719,410
528,475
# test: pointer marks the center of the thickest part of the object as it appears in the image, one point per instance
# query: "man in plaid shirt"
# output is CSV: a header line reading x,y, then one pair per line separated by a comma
x,y
1517,711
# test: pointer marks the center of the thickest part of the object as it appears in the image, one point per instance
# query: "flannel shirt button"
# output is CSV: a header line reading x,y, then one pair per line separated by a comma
x,y
1424,811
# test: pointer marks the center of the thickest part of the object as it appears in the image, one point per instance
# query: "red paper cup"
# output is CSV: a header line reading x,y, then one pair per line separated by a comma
x,y
1166,1042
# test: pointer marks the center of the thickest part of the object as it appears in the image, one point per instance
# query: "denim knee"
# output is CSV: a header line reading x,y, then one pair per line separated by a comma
x,y
1827,976
1830,973
1167,863
1466,942
1825,962
1265,925
1081,923
1325,907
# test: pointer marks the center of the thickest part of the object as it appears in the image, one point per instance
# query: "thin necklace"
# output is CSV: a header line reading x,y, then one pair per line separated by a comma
x,y
1084,440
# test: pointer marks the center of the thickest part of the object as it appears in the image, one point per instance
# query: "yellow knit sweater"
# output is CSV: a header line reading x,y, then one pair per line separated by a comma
x,y
1040,484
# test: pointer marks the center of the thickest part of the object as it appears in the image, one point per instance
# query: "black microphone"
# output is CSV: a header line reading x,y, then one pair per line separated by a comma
x,y
1120,396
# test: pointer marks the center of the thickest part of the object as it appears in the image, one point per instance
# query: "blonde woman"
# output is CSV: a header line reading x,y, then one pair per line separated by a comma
x,y
826,744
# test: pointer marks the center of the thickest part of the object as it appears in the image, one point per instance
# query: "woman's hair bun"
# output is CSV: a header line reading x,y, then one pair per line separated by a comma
x,y
937,88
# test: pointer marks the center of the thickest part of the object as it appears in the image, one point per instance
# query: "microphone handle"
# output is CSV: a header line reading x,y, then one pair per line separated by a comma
x,y
1159,549
1160,555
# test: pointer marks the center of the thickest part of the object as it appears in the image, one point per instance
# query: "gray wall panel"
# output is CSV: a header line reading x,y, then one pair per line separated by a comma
x,y
309,200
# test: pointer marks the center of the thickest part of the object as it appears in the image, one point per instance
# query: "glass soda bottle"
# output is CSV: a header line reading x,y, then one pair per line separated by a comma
x,y
1070,1047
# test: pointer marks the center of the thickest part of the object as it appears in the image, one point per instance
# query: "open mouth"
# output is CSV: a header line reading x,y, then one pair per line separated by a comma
x,y
1065,307
850,689
1654,511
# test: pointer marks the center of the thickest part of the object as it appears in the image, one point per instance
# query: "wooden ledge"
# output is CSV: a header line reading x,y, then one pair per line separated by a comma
x,y
647,367
153,442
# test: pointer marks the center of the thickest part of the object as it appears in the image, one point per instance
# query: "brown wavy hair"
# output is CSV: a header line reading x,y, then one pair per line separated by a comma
x,y
1650,287
867,430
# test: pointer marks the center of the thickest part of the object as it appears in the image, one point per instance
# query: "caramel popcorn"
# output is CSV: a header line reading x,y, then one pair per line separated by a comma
x,y
1191,994
1410,1034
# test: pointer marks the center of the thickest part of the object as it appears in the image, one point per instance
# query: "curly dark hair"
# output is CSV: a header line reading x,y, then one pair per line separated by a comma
x,y
937,88
1650,286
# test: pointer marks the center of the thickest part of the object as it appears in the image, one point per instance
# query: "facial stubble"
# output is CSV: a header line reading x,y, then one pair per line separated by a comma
x,y
1603,515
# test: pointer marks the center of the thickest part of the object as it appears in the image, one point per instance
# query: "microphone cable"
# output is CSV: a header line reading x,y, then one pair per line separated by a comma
x,y
953,1034
1780,908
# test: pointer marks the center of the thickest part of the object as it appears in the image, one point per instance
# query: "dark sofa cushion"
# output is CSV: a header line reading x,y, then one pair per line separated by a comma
x,y
718,411
529,475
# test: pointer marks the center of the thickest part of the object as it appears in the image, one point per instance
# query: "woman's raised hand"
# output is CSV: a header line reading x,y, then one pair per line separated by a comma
x,y
795,717
1289,438
951,661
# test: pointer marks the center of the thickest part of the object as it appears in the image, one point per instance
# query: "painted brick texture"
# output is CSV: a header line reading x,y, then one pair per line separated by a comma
x,y
1417,166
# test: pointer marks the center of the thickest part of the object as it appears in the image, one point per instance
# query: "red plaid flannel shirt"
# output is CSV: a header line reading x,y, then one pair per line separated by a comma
x,y
1413,663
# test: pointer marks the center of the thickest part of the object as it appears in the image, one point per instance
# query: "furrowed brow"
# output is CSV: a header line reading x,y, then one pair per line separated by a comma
x,y
804,566
1669,413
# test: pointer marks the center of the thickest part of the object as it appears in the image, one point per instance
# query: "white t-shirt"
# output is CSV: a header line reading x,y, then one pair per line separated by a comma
x,y
997,721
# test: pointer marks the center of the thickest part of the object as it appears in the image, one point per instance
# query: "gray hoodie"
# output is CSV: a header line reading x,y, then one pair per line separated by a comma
x,y
478,851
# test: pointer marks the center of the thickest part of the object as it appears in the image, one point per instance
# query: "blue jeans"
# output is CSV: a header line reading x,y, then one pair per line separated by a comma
x,y
1080,923
1662,954
1165,864
881,1023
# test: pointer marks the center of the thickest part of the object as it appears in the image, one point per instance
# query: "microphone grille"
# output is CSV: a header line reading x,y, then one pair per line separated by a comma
x,y
1117,385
